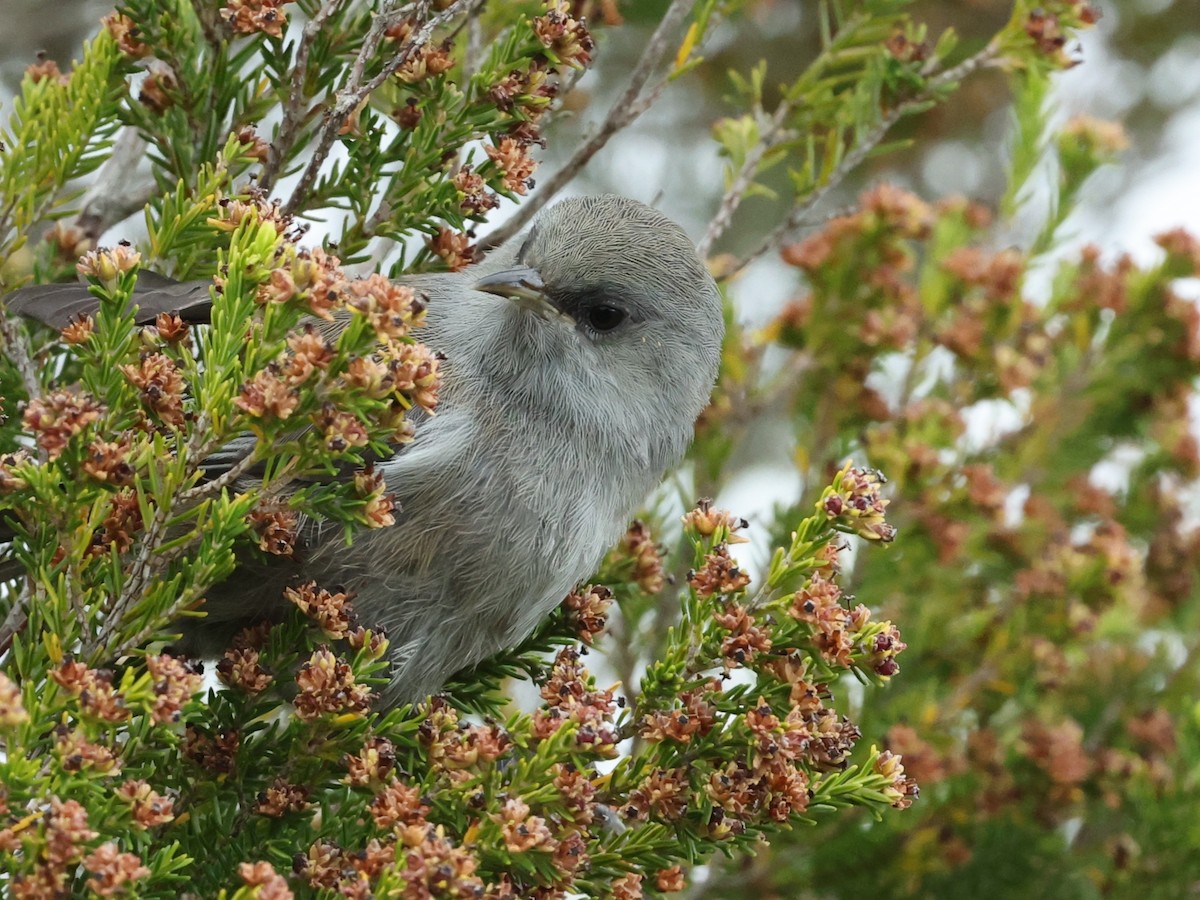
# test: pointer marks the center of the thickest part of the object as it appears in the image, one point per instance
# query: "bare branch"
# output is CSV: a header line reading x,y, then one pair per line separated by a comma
x,y
737,189
355,91
296,111
634,100
118,191
16,349
799,213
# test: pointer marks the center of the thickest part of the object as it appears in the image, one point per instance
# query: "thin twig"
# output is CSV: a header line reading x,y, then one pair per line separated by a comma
x,y
296,110
736,192
634,100
800,212
118,191
16,349
355,91
210,488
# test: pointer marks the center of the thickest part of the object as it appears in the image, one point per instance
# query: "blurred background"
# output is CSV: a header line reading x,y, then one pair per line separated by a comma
x,y
1097,829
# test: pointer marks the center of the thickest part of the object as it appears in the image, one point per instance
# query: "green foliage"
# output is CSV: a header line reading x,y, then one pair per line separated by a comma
x,y
1052,619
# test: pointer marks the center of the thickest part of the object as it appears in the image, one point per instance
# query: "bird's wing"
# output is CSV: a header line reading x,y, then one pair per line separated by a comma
x,y
57,305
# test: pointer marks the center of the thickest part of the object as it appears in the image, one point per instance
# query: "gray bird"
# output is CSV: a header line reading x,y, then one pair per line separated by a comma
x,y
561,407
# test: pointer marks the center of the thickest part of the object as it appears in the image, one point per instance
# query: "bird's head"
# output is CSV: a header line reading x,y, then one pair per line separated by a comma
x,y
612,312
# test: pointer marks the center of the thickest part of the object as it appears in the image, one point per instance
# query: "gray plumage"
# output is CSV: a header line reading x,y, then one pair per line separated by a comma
x,y
552,428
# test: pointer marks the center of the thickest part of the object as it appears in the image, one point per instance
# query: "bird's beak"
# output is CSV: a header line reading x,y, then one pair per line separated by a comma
x,y
523,287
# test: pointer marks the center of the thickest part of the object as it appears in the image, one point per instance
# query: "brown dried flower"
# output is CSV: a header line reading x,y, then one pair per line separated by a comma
x,y
240,668
515,164
476,198
214,753
175,683
282,798
564,35
707,522
58,416
112,870
588,610
523,832
374,762
262,875
125,33
161,385
12,710
149,807
332,612
327,686
453,247
267,395
277,527
720,574
79,330
251,16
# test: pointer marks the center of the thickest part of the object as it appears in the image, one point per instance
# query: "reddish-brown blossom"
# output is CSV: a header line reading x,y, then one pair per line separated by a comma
x,y
112,870
148,807
398,804
332,612
706,521
695,716
78,754
391,309
175,683
160,88
523,832
454,247
627,887
564,35
720,574
516,166
282,798
277,528
327,686
107,264
670,880
253,146
240,668
267,395
66,829
475,199
855,500
45,69
373,763
109,461
745,640
124,32
58,416
664,794
252,16
79,330
216,753
638,544
588,610
1058,750
160,383
262,875
428,61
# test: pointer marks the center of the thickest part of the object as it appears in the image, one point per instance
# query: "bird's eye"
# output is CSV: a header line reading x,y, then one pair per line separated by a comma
x,y
605,318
